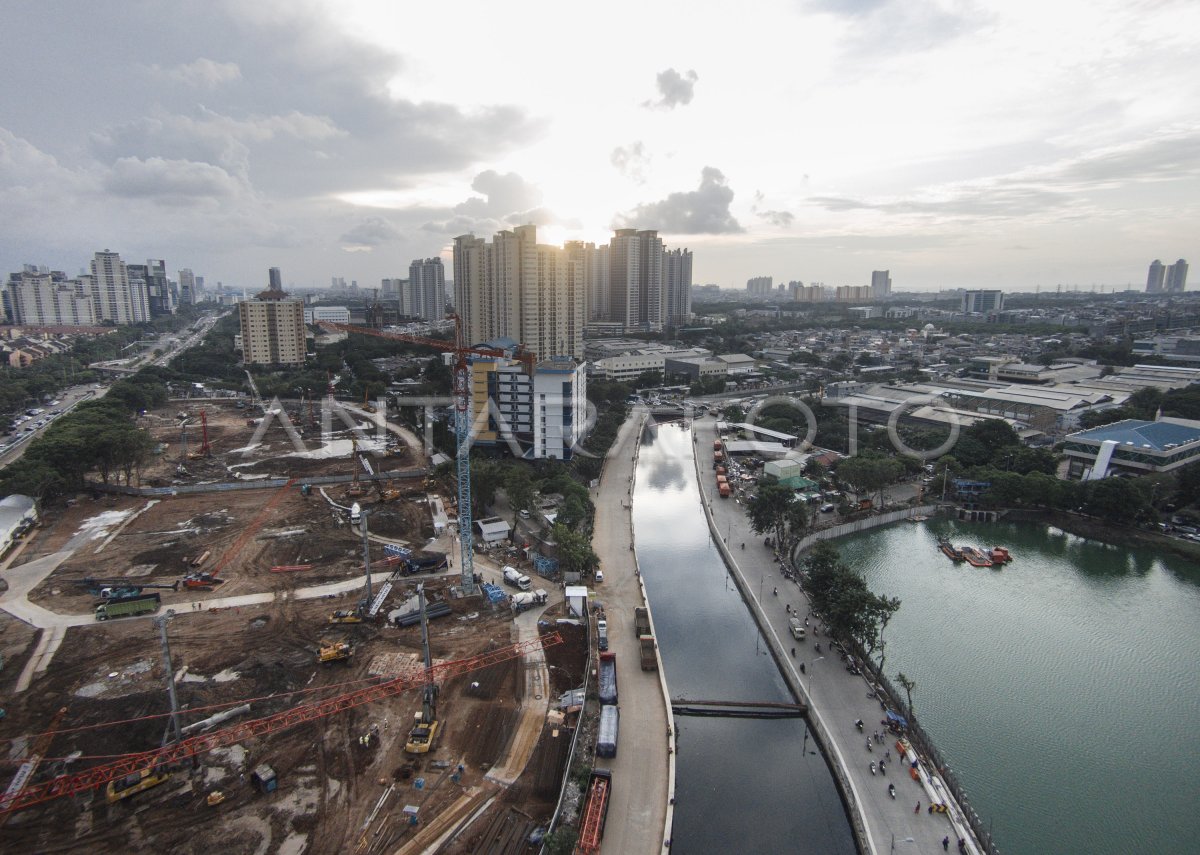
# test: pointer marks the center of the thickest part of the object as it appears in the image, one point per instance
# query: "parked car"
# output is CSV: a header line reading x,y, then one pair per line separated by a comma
x,y
827,508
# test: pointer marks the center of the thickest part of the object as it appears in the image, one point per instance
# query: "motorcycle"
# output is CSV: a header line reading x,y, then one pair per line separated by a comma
x,y
869,748
859,725
892,790
872,767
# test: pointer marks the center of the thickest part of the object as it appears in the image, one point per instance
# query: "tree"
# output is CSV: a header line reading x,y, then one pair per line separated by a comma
x,y
768,507
1118,500
908,686
575,553
518,486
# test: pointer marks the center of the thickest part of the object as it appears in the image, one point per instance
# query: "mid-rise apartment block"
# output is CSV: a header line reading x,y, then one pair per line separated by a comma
x,y
34,297
539,411
272,329
424,294
982,302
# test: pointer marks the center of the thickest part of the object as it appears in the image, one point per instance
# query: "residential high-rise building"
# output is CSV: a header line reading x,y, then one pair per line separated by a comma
x,y
636,295
116,297
881,284
518,289
982,302
760,286
1154,280
274,279
426,290
48,299
272,329
677,287
540,412
1177,277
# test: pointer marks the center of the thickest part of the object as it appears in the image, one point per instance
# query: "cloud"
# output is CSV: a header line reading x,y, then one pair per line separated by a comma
x,y
1064,187
503,194
369,234
202,73
781,219
674,89
170,182
704,211
631,161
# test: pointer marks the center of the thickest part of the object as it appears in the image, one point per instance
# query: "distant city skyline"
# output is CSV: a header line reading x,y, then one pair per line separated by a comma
x,y
953,145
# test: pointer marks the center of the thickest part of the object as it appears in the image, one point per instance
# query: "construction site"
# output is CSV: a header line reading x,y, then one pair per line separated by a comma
x,y
275,648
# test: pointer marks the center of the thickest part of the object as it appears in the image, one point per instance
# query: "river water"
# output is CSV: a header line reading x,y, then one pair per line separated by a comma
x,y
743,785
1063,689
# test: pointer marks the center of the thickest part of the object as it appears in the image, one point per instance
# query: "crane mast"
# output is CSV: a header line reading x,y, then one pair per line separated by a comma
x,y
462,423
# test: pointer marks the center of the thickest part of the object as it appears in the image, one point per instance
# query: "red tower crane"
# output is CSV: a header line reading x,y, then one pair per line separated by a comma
x,y
131,764
462,419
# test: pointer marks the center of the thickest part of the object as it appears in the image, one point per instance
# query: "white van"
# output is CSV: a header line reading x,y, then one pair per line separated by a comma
x,y
599,577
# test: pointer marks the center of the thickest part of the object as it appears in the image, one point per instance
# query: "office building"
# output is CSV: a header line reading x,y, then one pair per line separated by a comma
x,y
982,302
1154,279
272,329
424,296
116,297
35,297
881,284
1176,278
274,280
188,292
516,288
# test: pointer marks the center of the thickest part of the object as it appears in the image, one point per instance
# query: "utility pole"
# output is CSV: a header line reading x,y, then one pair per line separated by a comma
x,y
173,726
366,603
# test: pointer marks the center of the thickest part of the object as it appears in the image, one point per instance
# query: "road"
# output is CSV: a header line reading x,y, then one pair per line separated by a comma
x,y
836,697
639,812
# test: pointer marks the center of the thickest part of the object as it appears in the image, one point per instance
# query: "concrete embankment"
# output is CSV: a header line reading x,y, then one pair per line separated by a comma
x,y
836,698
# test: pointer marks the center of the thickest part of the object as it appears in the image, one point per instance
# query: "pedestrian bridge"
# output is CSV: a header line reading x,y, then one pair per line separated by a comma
x,y
738,709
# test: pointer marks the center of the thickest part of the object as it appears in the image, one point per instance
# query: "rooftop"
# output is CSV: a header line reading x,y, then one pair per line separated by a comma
x,y
1161,435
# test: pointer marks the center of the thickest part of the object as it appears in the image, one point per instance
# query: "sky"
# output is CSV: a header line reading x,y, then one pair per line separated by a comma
x,y
1005,144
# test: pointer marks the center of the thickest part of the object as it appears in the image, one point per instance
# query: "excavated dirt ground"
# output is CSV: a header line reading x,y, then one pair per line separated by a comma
x,y
328,783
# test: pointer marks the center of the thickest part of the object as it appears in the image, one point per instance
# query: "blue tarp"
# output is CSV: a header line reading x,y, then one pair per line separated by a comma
x,y
494,593
898,719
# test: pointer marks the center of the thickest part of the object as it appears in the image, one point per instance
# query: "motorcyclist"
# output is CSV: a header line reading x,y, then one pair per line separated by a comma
x,y
892,790
872,767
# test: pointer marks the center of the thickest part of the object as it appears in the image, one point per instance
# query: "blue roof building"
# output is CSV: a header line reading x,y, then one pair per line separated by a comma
x,y
1133,445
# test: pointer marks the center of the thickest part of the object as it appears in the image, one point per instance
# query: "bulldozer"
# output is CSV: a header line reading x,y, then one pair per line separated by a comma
x,y
335,651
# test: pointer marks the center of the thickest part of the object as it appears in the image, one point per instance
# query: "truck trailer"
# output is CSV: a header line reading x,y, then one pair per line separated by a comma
x,y
606,735
641,621
608,678
128,608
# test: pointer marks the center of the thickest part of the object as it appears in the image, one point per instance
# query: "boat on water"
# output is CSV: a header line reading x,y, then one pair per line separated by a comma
x,y
951,551
975,556
1000,555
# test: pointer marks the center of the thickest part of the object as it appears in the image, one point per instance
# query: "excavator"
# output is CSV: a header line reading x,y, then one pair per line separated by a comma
x,y
346,616
335,650
426,724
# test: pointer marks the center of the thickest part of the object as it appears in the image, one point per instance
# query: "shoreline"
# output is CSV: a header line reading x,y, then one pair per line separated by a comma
x,y
876,821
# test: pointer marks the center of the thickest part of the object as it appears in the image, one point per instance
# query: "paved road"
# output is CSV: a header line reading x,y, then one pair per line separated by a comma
x,y
643,770
836,697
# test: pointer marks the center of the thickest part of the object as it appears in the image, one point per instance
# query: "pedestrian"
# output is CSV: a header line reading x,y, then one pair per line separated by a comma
x,y
962,845
917,809
930,810
887,755
946,844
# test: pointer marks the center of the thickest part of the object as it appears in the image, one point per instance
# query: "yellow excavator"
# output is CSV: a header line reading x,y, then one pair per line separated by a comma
x,y
335,651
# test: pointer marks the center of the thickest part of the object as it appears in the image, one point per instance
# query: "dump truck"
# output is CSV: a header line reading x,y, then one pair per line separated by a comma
x,y
716,445
608,678
128,608
335,651
647,650
641,621
724,491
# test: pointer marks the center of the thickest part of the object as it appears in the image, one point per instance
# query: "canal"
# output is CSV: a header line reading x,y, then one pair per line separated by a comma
x,y
1062,689
743,785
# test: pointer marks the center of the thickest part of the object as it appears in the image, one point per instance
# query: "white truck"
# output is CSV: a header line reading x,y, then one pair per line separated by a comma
x,y
514,578
796,628
602,634
528,599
